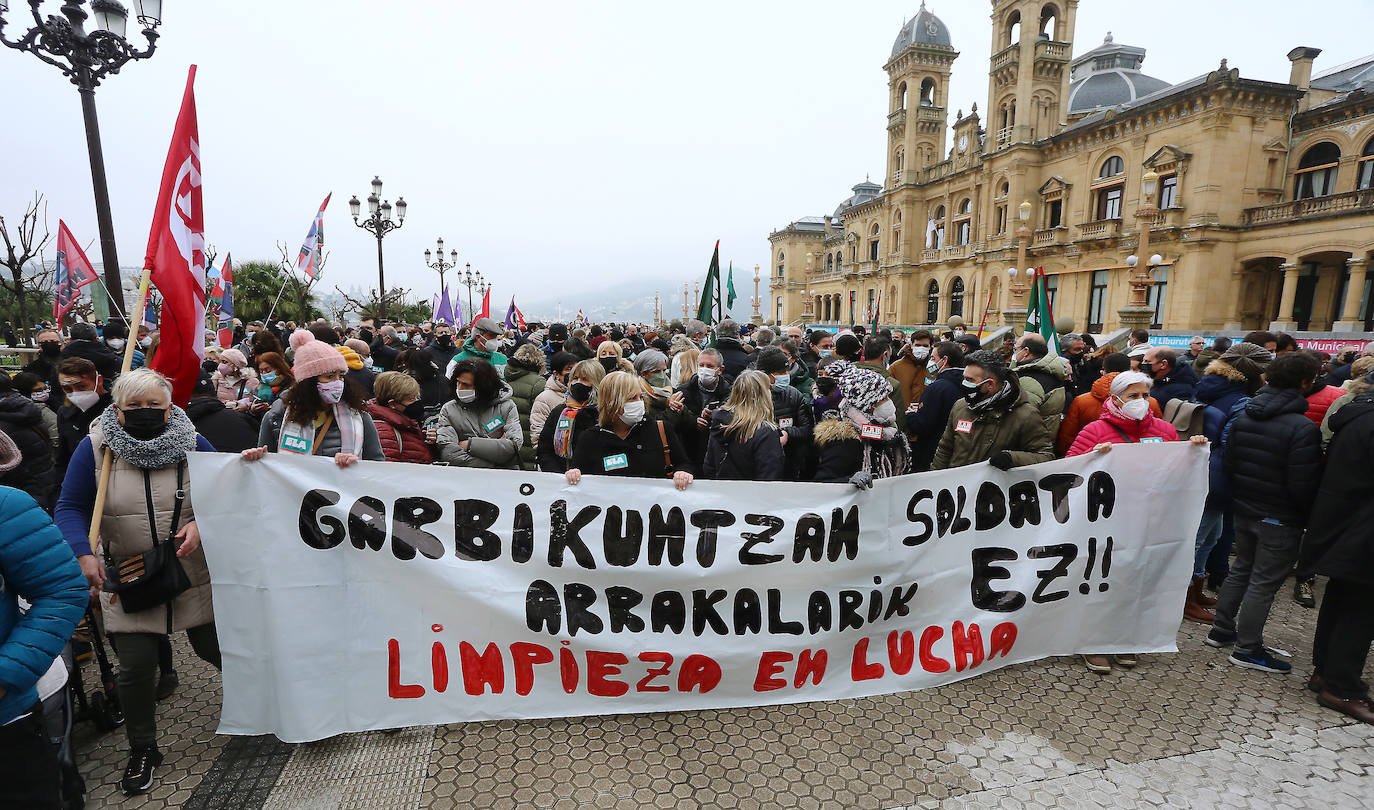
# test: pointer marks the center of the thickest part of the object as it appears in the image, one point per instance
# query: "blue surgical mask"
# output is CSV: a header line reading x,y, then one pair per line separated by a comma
x,y
268,377
780,381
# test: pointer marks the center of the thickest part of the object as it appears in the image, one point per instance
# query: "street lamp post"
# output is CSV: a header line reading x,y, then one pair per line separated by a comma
x,y
86,58
686,302
379,223
441,265
1014,313
470,280
808,311
758,316
1137,313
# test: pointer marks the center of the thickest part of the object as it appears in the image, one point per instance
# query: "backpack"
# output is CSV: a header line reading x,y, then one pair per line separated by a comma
x,y
1186,417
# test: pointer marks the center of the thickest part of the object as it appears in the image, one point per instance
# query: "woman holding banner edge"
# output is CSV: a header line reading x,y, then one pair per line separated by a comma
x,y
1125,419
625,443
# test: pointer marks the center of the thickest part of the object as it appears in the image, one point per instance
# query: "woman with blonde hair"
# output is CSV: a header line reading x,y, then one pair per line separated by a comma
x,y
744,444
567,421
684,366
612,357
625,442
399,415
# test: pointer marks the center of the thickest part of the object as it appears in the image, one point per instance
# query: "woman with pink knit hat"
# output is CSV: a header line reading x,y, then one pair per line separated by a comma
x,y
322,414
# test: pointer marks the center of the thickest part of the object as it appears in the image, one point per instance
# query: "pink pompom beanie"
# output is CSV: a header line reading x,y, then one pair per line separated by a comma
x,y
313,357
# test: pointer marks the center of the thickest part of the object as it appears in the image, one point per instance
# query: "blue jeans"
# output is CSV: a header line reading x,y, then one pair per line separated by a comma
x,y
1208,533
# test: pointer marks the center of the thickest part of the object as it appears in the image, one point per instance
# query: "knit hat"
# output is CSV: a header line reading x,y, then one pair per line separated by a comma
x,y
1126,379
234,357
849,345
864,389
9,453
313,357
1249,352
350,357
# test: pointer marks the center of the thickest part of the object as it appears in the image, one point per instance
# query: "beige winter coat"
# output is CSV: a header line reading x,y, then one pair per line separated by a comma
x,y
124,530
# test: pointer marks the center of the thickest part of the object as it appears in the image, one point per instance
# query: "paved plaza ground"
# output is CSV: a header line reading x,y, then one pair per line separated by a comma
x,y
1184,730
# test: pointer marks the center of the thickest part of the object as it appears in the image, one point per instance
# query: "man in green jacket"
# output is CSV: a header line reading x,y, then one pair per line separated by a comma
x,y
484,331
1042,377
875,356
994,422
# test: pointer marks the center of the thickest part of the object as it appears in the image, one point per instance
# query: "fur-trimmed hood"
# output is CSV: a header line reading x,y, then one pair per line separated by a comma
x,y
1222,368
833,431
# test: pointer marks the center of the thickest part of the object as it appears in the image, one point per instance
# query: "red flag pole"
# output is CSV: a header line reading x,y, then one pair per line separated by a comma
x,y
984,321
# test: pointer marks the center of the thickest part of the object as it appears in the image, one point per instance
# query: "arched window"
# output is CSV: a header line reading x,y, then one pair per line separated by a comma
x,y
1049,23
1112,166
1013,29
1316,175
873,243
999,201
1365,170
896,231
928,92
933,302
825,309
829,262
839,259
963,222
901,96
965,206
936,238
956,297
782,265
898,159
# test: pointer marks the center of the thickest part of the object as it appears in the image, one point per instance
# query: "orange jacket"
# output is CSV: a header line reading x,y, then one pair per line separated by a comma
x,y
1086,408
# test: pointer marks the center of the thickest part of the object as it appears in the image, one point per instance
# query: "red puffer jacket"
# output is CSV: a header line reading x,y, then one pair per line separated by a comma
x,y
1106,428
401,437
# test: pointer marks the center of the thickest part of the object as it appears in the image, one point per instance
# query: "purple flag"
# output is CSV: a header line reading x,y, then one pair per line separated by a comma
x,y
458,312
445,312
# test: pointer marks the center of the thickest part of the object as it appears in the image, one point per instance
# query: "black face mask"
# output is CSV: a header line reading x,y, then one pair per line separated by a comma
x,y
444,340
51,348
145,423
209,366
826,385
415,410
610,364
580,392
365,336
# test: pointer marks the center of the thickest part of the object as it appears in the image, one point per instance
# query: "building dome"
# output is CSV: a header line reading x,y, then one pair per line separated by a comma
x,y
1109,76
923,29
863,192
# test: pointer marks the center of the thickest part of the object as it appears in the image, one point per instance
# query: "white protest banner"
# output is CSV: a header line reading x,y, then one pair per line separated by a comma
x,y
387,595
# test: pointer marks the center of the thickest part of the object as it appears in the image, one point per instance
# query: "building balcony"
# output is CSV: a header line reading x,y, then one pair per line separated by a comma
x,y
776,282
1050,236
930,255
896,118
1167,218
1349,202
1047,50
1101,229
937,171
930,115
955,252
1007,57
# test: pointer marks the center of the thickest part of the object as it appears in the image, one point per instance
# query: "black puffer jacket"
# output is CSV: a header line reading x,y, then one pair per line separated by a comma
x,y
736,358
695,399
1340,536
22,420
230,431
1274,458
797,419
759,459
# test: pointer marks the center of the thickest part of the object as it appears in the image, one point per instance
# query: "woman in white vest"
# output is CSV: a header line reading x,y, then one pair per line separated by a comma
x,y
148,503
322,414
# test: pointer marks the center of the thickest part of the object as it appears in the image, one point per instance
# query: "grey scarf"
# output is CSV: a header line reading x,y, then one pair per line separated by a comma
x,y
162,451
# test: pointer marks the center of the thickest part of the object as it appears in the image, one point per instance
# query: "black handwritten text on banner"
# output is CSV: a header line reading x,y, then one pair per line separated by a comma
x,y
389,595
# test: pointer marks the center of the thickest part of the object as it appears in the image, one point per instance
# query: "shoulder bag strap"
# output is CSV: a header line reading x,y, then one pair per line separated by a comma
x,y
1122,434
319,434
667,455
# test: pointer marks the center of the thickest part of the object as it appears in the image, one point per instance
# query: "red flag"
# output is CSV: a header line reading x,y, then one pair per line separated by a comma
x,y
176,254
486,306
74,271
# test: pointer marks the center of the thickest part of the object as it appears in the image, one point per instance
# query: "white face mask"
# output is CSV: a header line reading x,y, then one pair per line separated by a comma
x,y
632,413
116,343
885,413
1136,408
920,353
467,395
706,375
84,399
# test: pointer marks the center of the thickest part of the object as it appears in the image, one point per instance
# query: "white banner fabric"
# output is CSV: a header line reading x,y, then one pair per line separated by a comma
x,y
388,595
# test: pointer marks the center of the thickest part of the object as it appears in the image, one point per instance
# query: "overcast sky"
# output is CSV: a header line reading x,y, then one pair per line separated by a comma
x,y
551,143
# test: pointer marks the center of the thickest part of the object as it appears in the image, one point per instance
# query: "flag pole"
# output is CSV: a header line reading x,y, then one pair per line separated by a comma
x,y
107,457
984,322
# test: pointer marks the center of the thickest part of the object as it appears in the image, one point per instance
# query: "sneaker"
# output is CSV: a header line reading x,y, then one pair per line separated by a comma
x,y
167,684
1127,660
1220,638
138,777
1302,593
1264,662
1100,664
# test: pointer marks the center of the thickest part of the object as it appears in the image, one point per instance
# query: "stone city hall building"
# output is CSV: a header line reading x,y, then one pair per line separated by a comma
x,y
1260,204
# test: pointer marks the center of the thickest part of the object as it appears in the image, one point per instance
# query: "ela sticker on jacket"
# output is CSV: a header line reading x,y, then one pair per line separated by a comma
x,y
963,426
493,423
564,423
785,422
871,431
292,441
1152,440
615,462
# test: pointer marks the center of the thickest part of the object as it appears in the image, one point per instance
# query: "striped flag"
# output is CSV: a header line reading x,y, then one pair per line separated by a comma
x,y
308,261
225,284
74,271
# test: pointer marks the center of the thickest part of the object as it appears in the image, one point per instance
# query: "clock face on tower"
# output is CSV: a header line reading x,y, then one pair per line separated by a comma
x,y
963,142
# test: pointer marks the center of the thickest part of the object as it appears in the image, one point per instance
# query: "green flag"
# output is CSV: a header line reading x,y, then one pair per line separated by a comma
x,y
878,307
730,288
1039,316
710,291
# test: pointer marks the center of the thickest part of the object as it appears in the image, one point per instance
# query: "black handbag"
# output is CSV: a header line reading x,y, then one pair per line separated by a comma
x,y
154,577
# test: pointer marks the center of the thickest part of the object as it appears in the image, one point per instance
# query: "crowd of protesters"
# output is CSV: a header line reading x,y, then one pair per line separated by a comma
x,y
1290,432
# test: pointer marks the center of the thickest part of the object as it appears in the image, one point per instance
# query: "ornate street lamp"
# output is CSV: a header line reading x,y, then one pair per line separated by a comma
x,y
470,280
441,265
1016,285
378,223
1141,279
86,58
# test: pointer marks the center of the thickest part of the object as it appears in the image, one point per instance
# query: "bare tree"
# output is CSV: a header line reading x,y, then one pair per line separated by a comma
x,y
398,302
21,248
298,286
